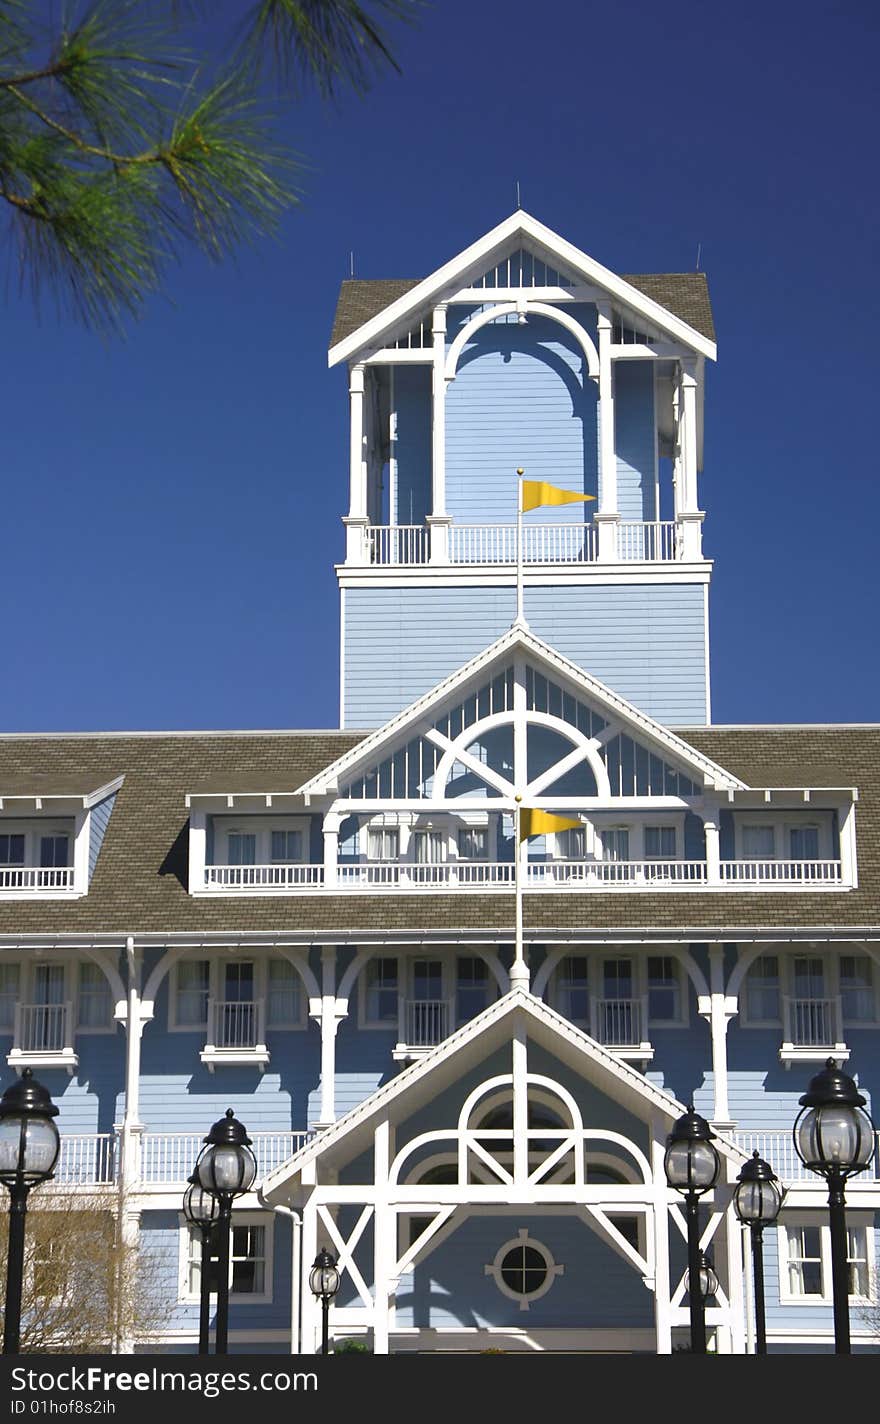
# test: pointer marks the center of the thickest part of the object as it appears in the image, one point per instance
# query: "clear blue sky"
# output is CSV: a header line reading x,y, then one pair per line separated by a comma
x,y
171,503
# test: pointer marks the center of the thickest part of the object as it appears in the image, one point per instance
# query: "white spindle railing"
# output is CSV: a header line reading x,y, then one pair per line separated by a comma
x,y
813,1023
398,543
776,1146
653,541
167,1158
604,874
236,1023
426,1022
781,872
618,1022
87,1159
42,1028
32,877
262,877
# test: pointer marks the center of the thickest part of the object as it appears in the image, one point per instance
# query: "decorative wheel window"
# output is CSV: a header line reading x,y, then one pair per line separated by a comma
x,y
524,1269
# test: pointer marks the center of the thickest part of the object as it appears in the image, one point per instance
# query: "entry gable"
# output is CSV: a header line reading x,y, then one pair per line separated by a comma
x,y
460,740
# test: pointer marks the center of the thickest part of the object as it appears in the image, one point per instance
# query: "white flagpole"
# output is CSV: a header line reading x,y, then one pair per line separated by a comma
x,y
520,615
519,974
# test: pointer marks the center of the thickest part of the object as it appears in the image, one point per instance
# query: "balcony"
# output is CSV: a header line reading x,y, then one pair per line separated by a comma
x,y
43,1037
621,1025
165,1159
757,874
409,545
777,1147
248,879
812,1030
423,1024
32,878
236,1034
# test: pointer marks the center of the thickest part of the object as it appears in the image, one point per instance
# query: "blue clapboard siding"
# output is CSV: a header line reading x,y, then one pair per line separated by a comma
x,y
646,641
521,398
87,1100
411,491
635,438
97,826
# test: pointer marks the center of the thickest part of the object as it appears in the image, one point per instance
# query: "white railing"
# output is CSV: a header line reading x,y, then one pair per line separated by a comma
x,y
262,877
426,1022
608,873
781,872
542,544
236,1023
167,1158
618,1022
87,1159
398,543
813,1023
377,874
32,877
654,541
42,1028
776,1146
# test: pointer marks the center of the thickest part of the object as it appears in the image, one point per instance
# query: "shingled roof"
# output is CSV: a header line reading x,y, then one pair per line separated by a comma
x,y
139,883
685,294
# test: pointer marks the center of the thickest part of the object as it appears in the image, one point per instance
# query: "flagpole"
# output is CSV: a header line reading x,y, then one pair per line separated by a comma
x,y
519,974
520,615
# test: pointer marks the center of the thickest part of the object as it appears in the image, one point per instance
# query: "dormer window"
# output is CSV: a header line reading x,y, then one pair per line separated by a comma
x,y
660,843
758,842
383,843
473,843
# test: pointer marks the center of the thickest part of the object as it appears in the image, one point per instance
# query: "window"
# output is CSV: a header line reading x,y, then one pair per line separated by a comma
x,y
381,991
572,984
803,842
615,843
284,994
241,848
10,976
572,844
523,1269
471,987
762,990
191,999
659,842
95,1008
11,850
473,843
857,988
383,843
758,842
805,1261
287,846
250,1260
664,998
428,847
53,851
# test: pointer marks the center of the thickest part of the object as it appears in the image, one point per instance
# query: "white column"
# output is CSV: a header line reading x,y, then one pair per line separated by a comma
x,y
198,840
607,516
718,1010
383,1243
690,517
713,846
438,520
310,1312
330,1019
847,822
356,521
331,849
659,1223
131,1128
735,1282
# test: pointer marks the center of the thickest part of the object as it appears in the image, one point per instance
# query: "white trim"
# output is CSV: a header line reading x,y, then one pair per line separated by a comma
x,y
187,1234
552,1270
488,250
818,1220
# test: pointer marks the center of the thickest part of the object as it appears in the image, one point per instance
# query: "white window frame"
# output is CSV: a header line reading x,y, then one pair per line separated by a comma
x,y
683,1019
745,1019
188,1234
261,827
855,1221
79,1027
552,1267
381,1025
875,988
76,826
216,966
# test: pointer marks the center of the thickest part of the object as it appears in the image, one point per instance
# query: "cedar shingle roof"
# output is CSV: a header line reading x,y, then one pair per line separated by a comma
x,y
685,294
139,883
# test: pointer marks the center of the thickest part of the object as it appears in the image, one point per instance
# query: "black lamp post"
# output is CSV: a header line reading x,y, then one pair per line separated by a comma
x,y
202,1210
29,1145
834,1136
226,1169
692,1166
757,1201
324,1283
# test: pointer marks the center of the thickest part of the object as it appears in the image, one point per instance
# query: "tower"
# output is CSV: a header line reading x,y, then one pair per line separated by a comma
x,y
524,351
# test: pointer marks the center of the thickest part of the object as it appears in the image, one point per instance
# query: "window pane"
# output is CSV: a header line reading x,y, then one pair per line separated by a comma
x,y
382,844
660,842
53,851
11,850
857,1259
572,844
284,1000
242,849
617,976
803,843
762,989
382,990
428,847
857,988
192,992
662,988
94,997
472,987
287,845
473,843
758,842
809,978
615,843
9,981
804,1260
574,994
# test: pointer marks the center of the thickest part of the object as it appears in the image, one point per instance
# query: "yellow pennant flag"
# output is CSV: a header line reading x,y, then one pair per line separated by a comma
x,y
536,494
536,823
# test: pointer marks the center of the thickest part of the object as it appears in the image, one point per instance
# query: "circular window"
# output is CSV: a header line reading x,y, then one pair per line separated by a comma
x,y
524,1269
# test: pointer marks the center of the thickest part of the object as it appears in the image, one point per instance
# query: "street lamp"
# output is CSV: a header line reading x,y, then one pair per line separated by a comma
x,y
757,1201
29,1145
202,1210
834,1137
324,1283
692,1166
226,1168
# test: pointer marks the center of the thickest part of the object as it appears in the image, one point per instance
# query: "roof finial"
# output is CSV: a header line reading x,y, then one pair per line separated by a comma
x,y
351,264
518,203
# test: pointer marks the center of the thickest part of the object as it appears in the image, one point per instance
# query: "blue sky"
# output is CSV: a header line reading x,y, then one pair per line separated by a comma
x,y
171,502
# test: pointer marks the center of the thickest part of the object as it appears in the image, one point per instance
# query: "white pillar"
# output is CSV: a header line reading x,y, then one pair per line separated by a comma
x,y
331,849
198,840
847,833
383,1242
130,1133
718,1010
659,1224
356,521
735,1283
607,516
330,1018
713,847
438,520
310,1311
690,517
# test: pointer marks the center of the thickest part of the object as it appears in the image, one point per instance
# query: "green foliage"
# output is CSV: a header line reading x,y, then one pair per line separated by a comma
x,y
117,146
352,1347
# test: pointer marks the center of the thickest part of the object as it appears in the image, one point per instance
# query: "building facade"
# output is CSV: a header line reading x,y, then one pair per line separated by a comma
x,y
317,929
